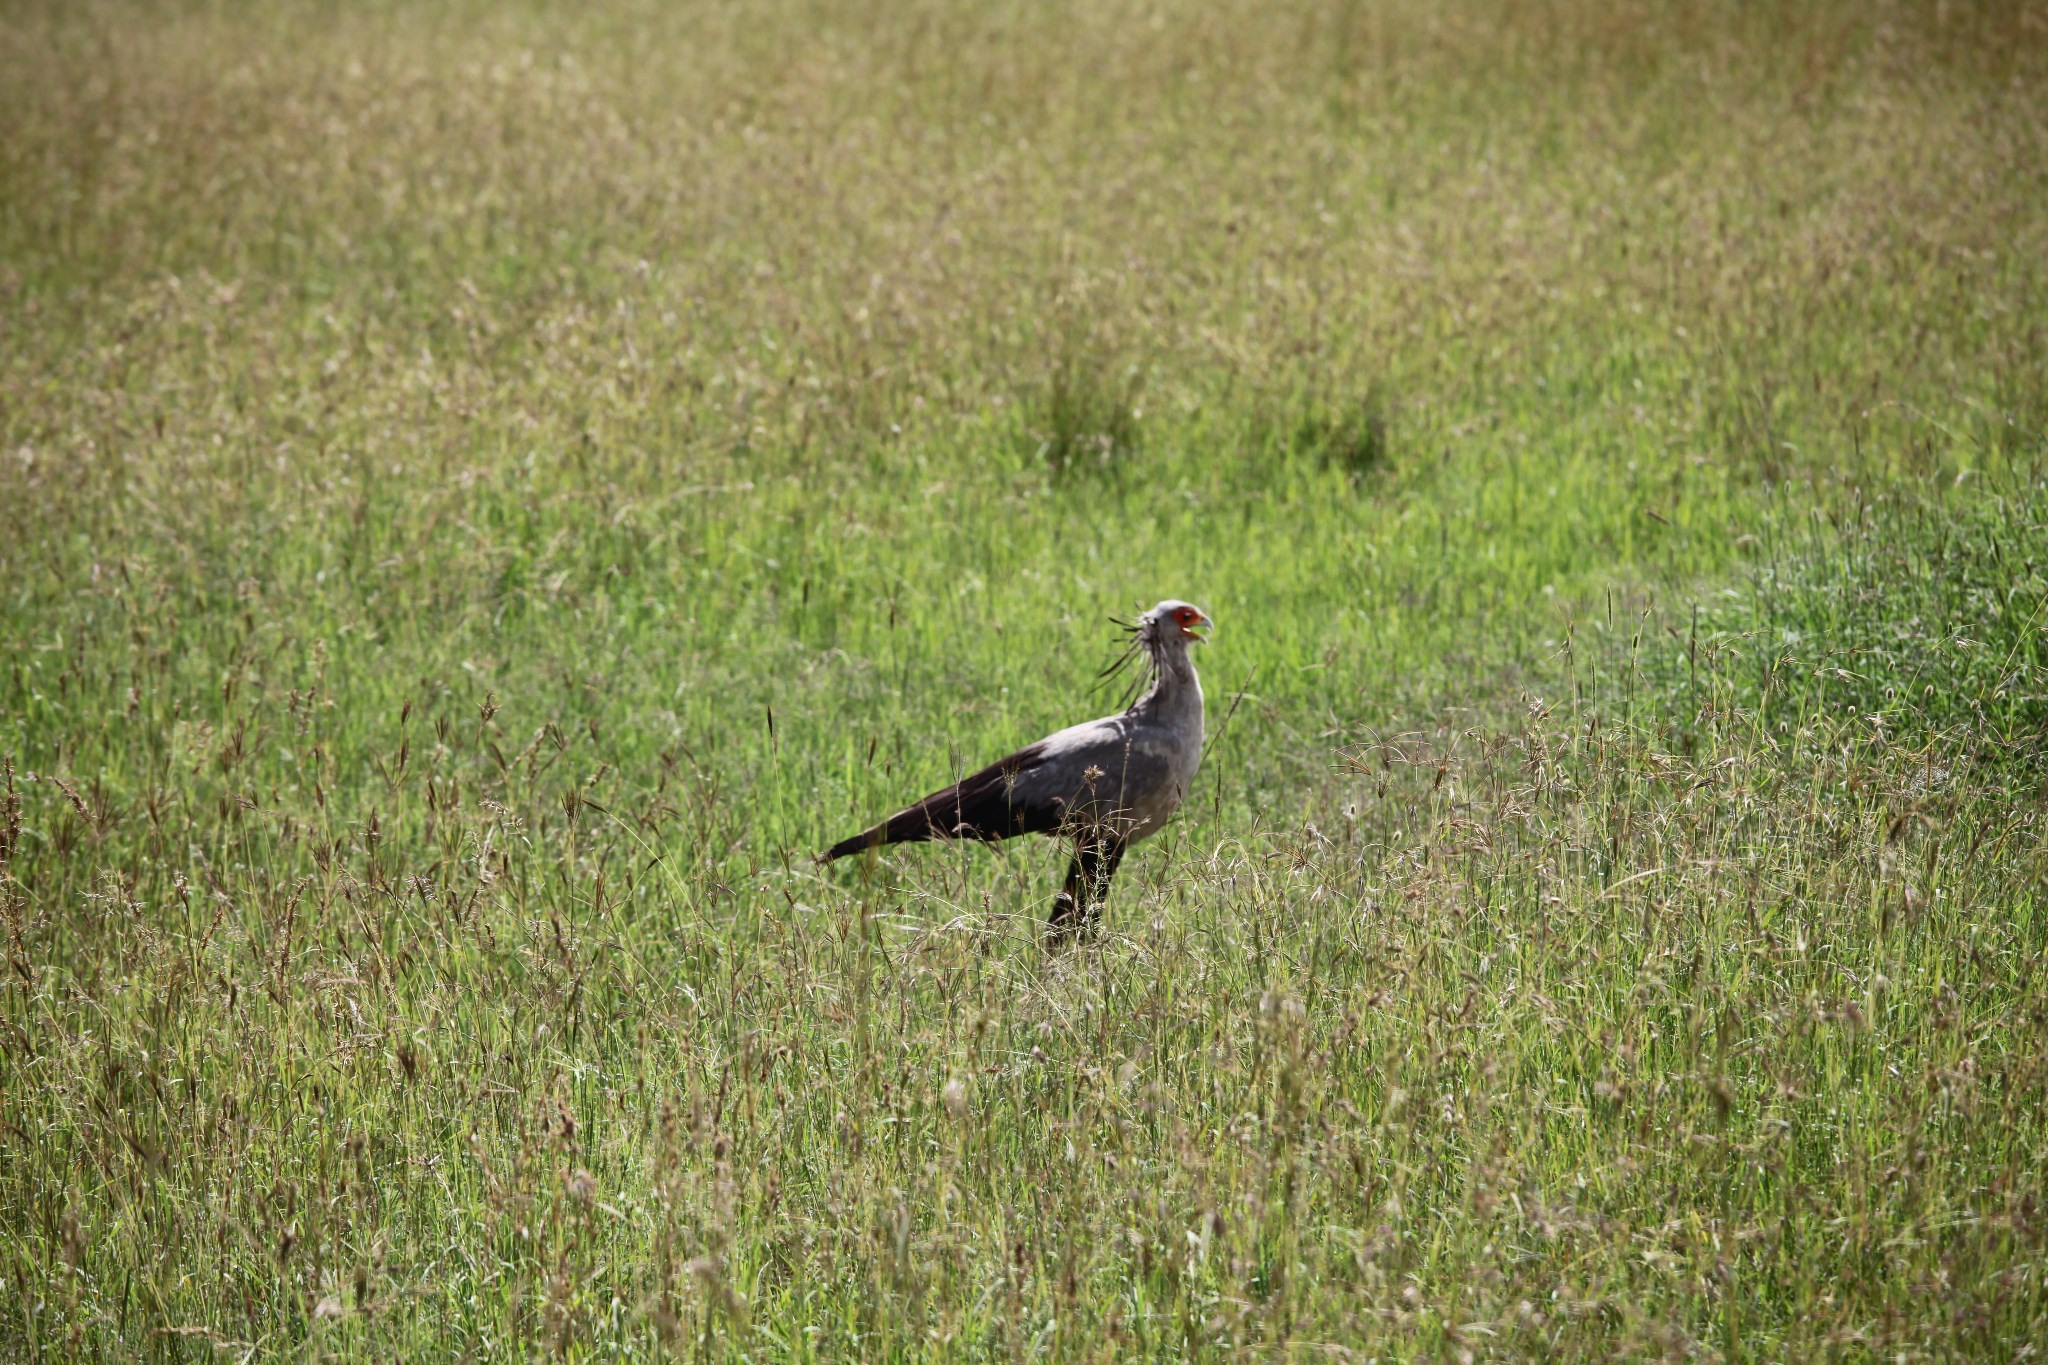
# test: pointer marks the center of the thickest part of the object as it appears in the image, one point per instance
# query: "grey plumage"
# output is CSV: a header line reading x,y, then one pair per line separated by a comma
x,y
1104,783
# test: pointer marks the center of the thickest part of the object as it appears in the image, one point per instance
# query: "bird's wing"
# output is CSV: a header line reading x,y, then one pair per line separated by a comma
x,y
1114,770
987,805
1118,772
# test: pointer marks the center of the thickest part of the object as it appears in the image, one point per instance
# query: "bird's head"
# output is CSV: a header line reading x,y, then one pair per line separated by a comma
x,y
1174,620
1160,638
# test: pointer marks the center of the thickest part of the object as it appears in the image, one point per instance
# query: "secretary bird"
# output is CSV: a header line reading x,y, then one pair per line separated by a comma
x,y
1105,783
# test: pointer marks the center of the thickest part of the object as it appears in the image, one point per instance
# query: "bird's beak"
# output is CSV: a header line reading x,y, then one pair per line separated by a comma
x,y
1200,630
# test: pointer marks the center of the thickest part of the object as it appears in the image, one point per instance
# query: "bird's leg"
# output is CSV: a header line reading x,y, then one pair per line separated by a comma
x,y
1079,905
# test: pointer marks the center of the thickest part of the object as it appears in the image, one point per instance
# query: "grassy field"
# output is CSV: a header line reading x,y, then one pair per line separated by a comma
x,y
487,489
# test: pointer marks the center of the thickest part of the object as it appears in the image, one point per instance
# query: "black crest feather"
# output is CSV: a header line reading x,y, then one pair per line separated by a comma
x,y
1140,641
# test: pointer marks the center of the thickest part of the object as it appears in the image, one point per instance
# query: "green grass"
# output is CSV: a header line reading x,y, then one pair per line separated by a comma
x,y
485,491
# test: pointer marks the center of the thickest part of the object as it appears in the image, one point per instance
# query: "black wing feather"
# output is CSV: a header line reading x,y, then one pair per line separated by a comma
x,y
982,806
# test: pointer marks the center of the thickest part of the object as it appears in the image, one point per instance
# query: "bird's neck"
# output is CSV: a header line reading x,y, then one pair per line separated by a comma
x,y
1176,694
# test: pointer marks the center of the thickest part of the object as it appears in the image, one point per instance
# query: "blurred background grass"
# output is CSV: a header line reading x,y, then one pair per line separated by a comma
x,y
485,490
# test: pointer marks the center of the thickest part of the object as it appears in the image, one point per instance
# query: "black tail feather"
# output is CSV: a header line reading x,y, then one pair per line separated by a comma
x,y
859,843
983,806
